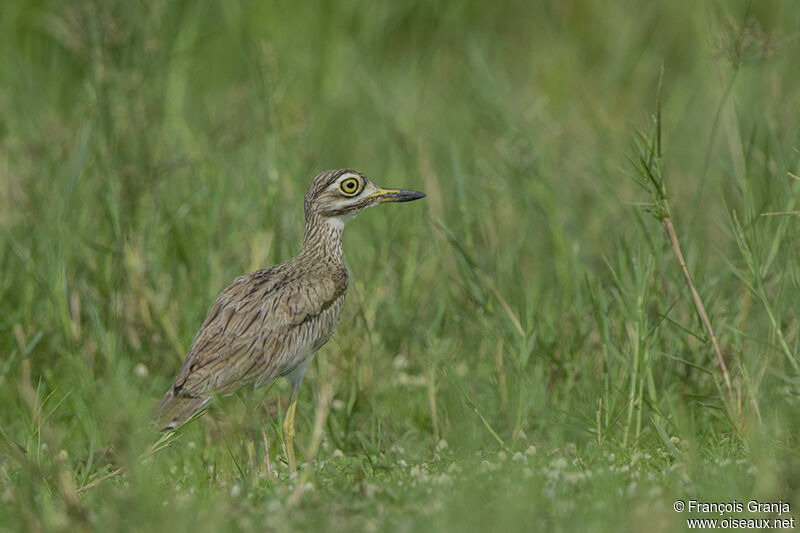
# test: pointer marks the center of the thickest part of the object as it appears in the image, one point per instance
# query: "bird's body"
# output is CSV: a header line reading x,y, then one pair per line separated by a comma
x,y
270,323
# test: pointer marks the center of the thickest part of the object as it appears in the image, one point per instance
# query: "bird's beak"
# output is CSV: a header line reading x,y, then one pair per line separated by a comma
x,y
397,195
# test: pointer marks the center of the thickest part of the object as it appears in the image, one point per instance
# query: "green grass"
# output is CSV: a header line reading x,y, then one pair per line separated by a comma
x,y
520,349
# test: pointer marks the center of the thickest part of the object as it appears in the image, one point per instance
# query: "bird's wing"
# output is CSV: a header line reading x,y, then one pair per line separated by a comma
x,y
250,329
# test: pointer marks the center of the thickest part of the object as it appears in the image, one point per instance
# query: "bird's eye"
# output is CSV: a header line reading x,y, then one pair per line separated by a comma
x,y
350,186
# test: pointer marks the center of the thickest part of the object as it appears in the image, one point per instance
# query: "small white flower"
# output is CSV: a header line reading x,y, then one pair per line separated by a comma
x,y
444,479
140,370
572,477
531,451
419,471
235,491
518,457
370,490
400,362
399,450
273,506
487,466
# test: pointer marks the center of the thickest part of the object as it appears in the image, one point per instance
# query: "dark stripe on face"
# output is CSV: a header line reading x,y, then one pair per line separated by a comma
x,y
352,208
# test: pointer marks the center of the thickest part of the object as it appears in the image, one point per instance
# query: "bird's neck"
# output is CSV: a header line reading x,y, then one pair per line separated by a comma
x,y
323,237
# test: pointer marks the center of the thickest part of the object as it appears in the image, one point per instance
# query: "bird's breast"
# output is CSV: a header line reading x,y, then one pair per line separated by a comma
x,y
286,351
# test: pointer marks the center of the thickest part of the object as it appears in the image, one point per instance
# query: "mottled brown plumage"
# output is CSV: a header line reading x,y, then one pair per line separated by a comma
x,y
270,323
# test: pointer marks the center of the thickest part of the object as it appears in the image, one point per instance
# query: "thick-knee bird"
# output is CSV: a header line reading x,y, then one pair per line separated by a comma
x,y
269,323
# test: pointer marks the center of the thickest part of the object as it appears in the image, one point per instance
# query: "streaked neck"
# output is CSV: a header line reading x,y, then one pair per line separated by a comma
x,y
323,236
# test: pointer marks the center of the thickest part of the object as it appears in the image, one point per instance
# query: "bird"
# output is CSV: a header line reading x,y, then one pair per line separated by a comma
x,y
270,323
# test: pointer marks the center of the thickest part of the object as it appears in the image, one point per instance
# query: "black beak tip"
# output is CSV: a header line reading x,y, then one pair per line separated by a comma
x,y
407,195
414,195
401,195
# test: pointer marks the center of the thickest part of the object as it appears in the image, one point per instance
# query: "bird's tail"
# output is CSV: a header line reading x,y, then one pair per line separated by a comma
x,y
174,409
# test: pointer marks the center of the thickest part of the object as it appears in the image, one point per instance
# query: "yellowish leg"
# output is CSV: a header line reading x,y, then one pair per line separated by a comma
x,y
288,431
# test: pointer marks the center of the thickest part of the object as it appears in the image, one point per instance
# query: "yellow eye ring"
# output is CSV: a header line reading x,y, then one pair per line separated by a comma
x,y
350,186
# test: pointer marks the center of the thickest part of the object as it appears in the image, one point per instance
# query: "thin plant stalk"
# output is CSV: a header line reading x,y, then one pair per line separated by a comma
x,y
649,166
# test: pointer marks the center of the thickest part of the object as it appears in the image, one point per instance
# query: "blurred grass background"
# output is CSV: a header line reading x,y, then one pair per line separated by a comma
x,y
519,349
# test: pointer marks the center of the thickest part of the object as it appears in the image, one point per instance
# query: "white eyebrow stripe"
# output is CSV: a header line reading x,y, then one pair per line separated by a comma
x,y
340,179
347,176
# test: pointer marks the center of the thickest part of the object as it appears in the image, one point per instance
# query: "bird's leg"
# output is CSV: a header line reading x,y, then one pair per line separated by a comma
x,y
295,379
288,430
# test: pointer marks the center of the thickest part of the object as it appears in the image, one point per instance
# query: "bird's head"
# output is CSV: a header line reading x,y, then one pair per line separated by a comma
x,y
337,195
